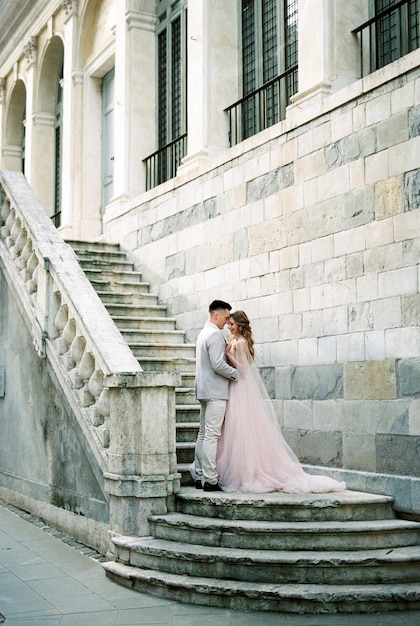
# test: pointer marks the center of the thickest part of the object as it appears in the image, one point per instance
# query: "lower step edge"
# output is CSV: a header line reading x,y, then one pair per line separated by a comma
x,y
287,598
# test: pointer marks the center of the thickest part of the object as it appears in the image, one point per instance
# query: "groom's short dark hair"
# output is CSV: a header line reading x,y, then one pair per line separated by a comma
x,y
219,305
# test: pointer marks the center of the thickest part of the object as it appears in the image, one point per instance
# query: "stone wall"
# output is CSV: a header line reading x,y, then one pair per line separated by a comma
x,y
46,466
312,227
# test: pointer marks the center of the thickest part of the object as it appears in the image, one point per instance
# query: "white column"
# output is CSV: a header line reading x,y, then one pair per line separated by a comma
x,y
212,81
135,96
2,109
71,176
31,50
328,53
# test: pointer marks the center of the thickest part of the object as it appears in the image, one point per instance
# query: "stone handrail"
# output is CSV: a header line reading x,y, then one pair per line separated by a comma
x,y
102,380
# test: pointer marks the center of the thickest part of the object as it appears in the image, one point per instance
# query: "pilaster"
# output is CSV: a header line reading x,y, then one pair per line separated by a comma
x,y
134,113
328,54
2,109
212,80
72,87
31,55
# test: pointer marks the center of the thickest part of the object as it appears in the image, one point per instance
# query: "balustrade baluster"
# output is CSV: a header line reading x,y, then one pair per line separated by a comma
x,y
77,350
86,369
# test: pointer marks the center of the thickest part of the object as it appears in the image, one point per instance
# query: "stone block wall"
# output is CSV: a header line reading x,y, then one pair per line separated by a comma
x,y
313,228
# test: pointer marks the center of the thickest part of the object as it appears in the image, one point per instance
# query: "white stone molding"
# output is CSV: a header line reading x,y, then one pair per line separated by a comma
x,y
141,20
43,119
2,90
70,7
31,51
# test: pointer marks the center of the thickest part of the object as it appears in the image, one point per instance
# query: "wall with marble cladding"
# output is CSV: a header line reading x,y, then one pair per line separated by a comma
x,y
314,230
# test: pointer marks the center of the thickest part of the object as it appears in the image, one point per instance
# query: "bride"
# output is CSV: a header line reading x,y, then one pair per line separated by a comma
x,y
253,456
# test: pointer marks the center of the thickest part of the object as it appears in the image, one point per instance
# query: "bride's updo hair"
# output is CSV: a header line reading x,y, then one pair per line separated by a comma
x,y
242,320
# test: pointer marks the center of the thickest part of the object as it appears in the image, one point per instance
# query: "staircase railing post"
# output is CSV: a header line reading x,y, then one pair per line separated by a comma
x,y
142,473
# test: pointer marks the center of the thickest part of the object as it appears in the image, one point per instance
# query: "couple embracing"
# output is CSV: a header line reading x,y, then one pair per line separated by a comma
x,y
240,446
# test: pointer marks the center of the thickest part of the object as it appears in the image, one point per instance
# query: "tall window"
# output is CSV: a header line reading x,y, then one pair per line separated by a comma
x,y
171,56
393,38
269,49
107,138
58,150
23,140
392,32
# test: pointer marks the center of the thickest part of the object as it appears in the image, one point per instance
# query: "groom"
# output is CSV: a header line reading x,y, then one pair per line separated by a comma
x,y
213,374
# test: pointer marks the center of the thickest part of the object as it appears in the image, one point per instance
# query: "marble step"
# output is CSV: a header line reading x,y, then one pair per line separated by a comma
x,y
116,285
132,298
153,336
109,274
286,598
186,432
132,322
158,363
135,310
284,507
186,400
185,452
268,535
163,350
95,247
103,263
390,565
187,412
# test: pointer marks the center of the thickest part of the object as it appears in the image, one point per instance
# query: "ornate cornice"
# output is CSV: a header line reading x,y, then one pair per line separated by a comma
x,y
31,50
69,6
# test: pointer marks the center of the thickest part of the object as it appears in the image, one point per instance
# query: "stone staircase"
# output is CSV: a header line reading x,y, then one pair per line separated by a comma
x,y
333,553
148,330
343,552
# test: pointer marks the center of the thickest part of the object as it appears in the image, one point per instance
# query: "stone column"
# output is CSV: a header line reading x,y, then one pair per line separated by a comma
x,y
135,96
2,109
72,82
328,54
31,54
212,80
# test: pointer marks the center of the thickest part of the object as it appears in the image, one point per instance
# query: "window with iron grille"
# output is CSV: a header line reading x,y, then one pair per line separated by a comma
x,y
392,32
269,49
171,92
393,39
56,217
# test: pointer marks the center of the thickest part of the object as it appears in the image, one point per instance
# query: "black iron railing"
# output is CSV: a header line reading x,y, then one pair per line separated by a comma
x,y
389,35
56,219
162,165
263,107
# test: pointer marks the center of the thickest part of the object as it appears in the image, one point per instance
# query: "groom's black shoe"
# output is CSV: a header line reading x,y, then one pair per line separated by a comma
x,y
211,487
198,484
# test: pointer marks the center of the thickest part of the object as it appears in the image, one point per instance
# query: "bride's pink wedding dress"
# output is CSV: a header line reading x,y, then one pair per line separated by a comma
x,y
253,456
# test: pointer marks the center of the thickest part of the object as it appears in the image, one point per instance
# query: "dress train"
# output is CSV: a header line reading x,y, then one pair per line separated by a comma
x,y
253,456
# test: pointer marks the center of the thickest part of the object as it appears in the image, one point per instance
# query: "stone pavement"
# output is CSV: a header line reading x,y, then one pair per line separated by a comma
x,y
47,579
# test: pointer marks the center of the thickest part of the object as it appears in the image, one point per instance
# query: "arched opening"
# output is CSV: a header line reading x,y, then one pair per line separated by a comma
x,y
47,121
97,57
13,149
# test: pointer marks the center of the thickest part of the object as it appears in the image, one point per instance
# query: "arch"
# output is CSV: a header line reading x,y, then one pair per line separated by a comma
x,y
51,65
14,137
96,23
46,153
96,55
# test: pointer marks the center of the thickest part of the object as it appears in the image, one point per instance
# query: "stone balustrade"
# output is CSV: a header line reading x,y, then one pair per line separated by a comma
x,y
96,370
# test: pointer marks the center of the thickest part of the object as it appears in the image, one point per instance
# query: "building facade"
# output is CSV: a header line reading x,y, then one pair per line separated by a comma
x,y
266,153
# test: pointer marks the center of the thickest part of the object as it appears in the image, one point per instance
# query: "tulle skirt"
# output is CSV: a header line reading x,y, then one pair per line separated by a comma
x,y
253,456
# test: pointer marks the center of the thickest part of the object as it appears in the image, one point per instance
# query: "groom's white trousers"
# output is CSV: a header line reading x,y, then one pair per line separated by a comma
x,y
212,414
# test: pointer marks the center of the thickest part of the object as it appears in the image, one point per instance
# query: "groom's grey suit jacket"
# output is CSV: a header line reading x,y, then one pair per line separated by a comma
x,y
213,372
